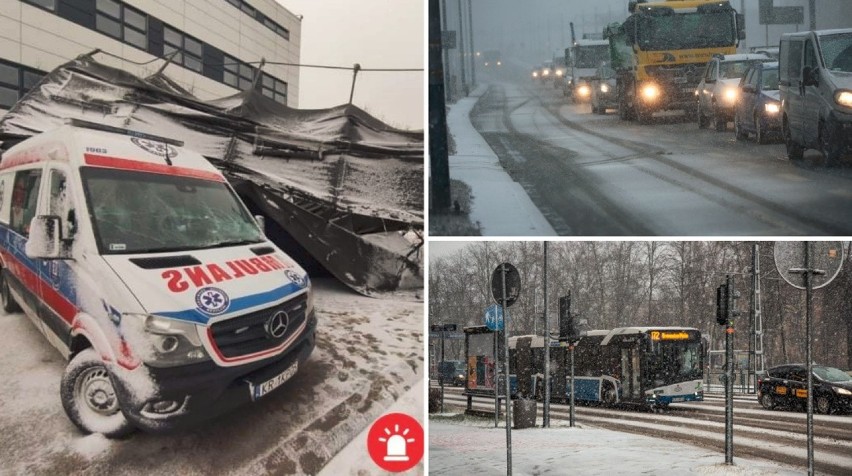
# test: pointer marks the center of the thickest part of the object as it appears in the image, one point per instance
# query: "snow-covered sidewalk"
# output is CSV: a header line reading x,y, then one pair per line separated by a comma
x,y
474,446
500,205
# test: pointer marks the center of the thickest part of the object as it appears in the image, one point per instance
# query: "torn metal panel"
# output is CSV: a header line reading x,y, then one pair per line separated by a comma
x,y
347,187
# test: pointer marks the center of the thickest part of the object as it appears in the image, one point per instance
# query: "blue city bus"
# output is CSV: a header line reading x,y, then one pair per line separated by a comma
x,y
646,366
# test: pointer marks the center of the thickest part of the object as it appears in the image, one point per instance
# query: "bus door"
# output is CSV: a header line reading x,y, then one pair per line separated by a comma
x,y
630,373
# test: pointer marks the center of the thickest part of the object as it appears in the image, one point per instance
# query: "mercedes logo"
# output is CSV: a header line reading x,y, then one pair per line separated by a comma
x,y
276,326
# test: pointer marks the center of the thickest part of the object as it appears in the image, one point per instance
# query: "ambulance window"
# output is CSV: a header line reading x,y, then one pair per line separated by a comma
x,y
61,202
24,200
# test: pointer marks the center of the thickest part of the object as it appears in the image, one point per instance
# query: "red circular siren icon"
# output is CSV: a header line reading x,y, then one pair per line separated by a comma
x,y
396,442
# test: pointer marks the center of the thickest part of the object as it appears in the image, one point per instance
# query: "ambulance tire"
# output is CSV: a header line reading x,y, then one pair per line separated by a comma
x,y
89,397
9,303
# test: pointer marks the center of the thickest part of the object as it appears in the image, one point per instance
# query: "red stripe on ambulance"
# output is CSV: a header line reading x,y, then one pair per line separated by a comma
x,y
180,280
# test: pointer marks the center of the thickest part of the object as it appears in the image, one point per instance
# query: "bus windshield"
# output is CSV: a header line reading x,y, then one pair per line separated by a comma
x,y
671,362
686,30
141,212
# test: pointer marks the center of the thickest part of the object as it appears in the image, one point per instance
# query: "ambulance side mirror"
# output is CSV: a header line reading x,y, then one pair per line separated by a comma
x,y
45,241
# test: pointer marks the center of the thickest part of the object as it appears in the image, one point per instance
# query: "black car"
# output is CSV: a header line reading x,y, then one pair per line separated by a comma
x,y
787,386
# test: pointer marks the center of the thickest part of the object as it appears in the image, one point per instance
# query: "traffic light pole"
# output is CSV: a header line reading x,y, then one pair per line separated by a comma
x,y
729,371
441,370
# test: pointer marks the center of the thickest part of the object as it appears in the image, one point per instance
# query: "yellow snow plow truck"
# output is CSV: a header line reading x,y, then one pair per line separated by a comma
x,y
659,53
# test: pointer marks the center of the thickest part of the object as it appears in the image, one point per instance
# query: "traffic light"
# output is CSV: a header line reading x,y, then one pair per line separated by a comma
x,y
722,304
566,320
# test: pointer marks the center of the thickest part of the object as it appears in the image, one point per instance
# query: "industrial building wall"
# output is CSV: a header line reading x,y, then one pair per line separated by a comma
x,y
37,39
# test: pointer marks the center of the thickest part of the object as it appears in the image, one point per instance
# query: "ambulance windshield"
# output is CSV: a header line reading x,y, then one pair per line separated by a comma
x,y
140,212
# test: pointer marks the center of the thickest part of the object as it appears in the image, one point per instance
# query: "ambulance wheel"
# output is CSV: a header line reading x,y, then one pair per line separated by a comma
x,y
90,399
9,303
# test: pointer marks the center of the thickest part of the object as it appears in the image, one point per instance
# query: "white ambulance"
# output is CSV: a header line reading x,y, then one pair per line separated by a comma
x,y
138,261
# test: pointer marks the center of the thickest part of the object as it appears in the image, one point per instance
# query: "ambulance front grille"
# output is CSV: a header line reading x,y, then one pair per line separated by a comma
x,y
249,333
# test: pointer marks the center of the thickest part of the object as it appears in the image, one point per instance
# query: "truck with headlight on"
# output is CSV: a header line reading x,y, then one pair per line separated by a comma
x,y
582,60
137,261
660,52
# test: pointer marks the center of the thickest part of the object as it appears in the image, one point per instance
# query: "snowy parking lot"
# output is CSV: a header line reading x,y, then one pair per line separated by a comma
x,y
368,355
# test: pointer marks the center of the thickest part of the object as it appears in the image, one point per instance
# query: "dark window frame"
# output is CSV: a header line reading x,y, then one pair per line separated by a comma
x,y
258,16
36,4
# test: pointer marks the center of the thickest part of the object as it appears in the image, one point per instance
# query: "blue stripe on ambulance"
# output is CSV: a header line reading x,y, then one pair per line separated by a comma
x,y
238,304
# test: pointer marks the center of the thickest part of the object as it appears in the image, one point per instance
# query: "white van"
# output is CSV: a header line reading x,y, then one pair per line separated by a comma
x,y
138,261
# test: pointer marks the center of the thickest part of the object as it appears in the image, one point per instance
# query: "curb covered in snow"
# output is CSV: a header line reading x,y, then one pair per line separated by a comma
x,y
501,206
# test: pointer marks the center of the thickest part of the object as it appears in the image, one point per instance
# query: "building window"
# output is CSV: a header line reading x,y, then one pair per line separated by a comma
x,y
274,89
136,28
108,19
15,81
260,17
188,49
122,23
46,4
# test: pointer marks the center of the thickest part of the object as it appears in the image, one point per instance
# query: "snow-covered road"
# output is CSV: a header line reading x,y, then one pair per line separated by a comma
x,y
595,174
369,353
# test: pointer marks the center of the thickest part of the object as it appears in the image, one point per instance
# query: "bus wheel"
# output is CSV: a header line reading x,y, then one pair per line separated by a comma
x,y
89,398
9,303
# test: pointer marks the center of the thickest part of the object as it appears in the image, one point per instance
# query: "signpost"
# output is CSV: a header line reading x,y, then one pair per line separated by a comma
x,y
505,287
809,265
494,322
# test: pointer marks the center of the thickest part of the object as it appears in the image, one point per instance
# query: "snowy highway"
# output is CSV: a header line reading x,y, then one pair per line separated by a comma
x,y
368,356
594,175
778,436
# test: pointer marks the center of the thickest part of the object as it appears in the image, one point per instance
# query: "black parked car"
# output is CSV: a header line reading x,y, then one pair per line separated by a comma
x,y
787,386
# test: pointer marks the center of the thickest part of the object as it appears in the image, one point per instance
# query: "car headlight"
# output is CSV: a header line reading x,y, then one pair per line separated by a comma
x,y
535,74
559,73
162,342
772,108
546,73
461,376
843,98
499,63
583,90
842,391
650,92
604,88
730,95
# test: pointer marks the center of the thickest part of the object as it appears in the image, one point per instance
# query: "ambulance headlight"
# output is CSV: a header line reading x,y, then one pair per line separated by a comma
x,y
163,342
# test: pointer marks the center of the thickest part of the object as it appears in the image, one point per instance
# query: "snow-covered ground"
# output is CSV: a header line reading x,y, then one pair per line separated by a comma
x,y
369,355
500,205
473,446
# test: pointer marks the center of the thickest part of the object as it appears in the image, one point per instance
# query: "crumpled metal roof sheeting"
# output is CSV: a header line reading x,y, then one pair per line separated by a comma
x,y
342,156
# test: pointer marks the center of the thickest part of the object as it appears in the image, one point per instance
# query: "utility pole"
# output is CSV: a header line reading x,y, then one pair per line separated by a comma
x,y
812,13
546,410
472,51
438,149
443,16
461,48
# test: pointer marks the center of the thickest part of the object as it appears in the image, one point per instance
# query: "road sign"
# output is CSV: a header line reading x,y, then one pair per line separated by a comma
x,y
513,284
825,256
494,317
769,14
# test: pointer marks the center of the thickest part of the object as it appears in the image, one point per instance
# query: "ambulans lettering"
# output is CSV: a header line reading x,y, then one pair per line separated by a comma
x,y
180,280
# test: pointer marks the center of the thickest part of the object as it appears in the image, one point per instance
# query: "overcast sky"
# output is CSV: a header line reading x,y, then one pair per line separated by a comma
x,y
375,34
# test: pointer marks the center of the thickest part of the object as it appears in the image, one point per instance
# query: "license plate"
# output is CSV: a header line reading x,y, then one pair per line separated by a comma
x,y
275,382
677,399
687,90
781,390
